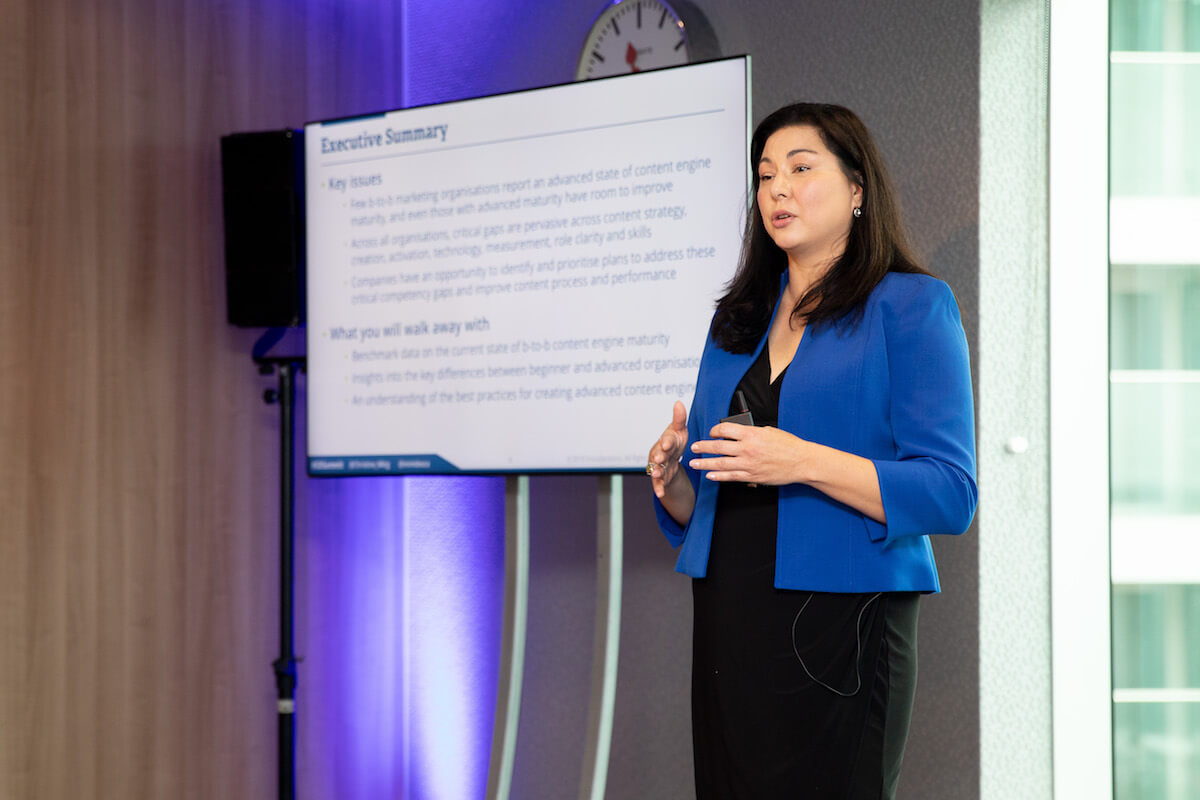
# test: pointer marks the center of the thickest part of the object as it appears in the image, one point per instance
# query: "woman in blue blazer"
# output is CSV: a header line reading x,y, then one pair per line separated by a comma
x,y
806,525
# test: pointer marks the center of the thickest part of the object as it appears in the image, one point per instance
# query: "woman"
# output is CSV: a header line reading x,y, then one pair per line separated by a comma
x,y
806,529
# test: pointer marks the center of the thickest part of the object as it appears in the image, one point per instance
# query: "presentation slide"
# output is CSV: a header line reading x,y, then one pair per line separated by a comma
x,y
519,283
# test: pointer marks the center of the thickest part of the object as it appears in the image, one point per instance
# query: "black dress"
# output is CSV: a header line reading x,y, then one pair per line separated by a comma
x,y
794,694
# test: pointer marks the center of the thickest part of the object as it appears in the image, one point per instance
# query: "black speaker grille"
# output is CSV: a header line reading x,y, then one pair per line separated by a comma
x,y
262,180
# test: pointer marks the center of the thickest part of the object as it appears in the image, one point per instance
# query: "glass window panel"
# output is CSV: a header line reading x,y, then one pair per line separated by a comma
x,y
1154,428
1155,317
1153,626
1155,25
1156,751
1191,322
1155,446
1155,114
1136,324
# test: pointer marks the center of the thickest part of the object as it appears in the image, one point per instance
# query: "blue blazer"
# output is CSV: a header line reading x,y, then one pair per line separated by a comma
x,y
895,389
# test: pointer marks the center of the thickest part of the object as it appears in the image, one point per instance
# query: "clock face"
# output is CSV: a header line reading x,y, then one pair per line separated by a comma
x,y
633,36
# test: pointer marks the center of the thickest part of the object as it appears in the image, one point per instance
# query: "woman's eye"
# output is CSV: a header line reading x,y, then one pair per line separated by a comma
x,y
764,178
800,168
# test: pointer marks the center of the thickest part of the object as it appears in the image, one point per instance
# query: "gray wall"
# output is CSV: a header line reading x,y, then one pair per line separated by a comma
x,y
912,71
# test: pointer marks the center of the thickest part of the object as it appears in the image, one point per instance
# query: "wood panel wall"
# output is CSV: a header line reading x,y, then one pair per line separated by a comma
x,y
138,465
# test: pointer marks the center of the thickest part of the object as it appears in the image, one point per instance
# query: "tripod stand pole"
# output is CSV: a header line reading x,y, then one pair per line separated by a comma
x,y
285,665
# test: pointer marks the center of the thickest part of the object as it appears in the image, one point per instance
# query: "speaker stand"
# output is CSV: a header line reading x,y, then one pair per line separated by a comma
x,y
285,665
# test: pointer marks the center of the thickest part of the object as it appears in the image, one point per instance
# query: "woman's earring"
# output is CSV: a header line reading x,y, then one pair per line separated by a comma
x,y
857,212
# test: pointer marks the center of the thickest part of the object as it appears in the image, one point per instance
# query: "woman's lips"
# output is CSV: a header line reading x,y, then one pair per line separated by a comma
x,y
781,218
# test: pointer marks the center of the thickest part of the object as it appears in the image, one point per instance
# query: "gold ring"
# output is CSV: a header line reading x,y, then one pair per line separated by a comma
x,y
651,467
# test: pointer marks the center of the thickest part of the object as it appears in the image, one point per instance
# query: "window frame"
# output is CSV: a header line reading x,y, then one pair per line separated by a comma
x,y
1080,568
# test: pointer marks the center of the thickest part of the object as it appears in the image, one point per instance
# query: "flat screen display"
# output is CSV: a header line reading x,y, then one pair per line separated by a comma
x,y
519,283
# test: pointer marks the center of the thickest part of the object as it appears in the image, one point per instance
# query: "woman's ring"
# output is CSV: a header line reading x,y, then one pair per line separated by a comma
x,y
651,467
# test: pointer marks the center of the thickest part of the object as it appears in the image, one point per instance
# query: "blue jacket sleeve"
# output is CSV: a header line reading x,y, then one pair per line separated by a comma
x,y
930,487
675,532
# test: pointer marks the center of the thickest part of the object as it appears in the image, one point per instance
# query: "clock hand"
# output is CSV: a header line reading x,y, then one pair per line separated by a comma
x,y
631,55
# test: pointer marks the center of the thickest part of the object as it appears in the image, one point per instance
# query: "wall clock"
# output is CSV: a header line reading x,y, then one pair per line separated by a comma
x,y
637,35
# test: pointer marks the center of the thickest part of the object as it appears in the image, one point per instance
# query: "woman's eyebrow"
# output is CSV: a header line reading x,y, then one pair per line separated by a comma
x,y
765,160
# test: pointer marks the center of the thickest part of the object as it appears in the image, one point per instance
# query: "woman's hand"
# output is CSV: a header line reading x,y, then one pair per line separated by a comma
x,y
663,462
771,457
672,488
750,454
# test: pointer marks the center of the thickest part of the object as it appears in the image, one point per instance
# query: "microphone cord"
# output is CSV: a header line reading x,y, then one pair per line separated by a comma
x,y
857,647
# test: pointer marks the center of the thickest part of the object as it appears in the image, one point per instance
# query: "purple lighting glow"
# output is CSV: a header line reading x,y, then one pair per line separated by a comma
x,y
400,581
453,598
400,587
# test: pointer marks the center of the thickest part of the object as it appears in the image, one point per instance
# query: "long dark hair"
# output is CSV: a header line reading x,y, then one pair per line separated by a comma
x,y
876,245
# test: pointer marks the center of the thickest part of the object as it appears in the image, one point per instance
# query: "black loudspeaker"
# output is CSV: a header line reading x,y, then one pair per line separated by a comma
x,y
262,182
